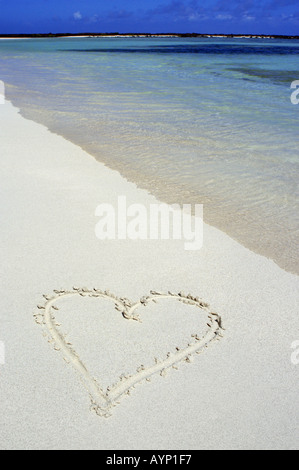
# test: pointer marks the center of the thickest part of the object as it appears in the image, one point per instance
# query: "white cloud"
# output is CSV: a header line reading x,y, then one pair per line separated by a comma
x,y
94,19
77,15
225,16
248,18
197,17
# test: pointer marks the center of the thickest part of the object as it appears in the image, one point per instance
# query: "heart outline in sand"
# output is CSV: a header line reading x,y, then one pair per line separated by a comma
x,y
102,402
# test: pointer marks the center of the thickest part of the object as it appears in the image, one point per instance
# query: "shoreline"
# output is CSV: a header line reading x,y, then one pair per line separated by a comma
x,y
50,189
268,250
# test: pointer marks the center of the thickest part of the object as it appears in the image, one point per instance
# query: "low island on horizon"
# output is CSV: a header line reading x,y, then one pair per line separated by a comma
x,y
145,35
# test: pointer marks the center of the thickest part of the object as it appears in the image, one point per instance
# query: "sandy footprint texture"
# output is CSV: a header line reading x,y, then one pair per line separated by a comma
x,y
103,401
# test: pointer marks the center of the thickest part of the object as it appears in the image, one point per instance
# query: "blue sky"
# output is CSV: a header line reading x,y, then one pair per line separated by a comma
x,y
203,16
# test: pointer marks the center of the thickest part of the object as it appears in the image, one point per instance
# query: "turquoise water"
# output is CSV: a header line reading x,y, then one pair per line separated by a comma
x,y
192,120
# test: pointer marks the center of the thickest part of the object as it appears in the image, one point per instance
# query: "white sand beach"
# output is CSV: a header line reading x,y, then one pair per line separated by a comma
x,y
241,392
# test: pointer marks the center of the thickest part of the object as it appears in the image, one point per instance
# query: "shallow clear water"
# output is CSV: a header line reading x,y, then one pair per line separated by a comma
x,y
192,120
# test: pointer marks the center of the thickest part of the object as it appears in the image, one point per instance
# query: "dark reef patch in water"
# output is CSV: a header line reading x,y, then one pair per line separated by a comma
x,y
231,49
275,76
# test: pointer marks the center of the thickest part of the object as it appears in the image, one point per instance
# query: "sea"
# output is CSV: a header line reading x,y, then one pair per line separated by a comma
x,y
191,120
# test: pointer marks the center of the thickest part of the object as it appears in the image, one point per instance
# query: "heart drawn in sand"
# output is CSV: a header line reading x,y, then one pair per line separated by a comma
x,y
102,402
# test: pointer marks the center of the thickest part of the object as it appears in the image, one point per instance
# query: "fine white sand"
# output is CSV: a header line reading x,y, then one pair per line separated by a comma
x,y
241,392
